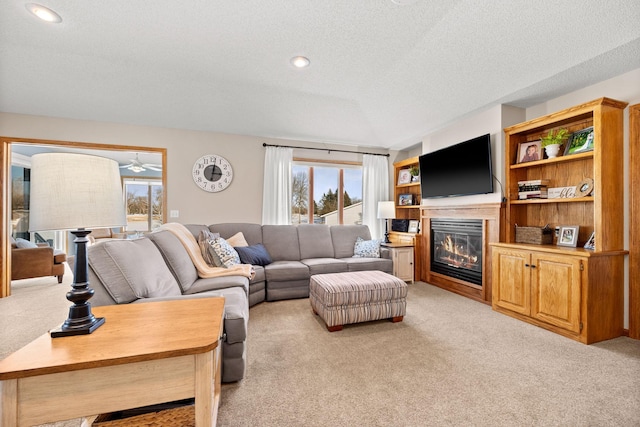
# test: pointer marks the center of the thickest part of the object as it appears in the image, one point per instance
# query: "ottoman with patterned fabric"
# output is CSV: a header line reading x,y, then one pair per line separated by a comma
x,y
357,296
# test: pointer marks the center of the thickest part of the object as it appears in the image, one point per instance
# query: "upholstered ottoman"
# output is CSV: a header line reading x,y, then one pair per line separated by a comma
x,y
357,296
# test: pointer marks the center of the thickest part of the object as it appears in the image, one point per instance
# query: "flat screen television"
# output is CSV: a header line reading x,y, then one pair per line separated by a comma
x,y
458,170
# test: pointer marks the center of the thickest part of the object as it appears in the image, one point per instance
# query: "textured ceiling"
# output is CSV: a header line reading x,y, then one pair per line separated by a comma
x,y
381,74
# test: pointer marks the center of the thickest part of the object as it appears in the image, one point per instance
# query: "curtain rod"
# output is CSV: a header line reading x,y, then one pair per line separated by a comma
x,y
264,144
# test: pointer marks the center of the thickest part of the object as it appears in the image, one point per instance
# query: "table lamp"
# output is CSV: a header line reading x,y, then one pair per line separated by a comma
x,y
72,191
386,211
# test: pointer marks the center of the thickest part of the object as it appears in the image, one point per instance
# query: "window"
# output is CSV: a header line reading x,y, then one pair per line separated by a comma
x,y
326,194
143,198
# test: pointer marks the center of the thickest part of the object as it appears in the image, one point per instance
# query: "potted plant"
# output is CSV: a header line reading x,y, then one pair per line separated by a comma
x,y
415,173
552,142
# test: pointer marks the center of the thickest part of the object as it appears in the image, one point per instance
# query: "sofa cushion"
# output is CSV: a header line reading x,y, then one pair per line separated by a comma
x,y
281,242
176,257
255,255
259,275
315,241
344,238
367,248
365,264
284,271
252,232
195,229
325,265
217,283
132,269
223,253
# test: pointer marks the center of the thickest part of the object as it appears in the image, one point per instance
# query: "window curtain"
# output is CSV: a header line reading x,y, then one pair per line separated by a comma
x,y
276,195
375,188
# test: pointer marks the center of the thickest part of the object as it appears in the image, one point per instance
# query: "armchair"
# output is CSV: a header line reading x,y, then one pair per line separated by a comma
x,y
103,234
36,261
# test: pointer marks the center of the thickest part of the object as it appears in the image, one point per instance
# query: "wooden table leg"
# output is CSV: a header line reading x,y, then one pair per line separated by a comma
x,y
9,403
204,389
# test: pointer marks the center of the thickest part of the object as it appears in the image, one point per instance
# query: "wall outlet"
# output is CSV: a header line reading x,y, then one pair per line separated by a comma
x,y
174,214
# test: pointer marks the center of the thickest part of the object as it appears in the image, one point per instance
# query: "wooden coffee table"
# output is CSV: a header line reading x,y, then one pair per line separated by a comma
x,y
144,354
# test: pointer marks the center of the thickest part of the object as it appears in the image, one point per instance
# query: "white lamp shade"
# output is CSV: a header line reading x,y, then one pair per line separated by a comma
x,y
386,210
71,191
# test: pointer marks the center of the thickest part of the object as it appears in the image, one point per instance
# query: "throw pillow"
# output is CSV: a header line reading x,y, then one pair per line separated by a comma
x,y
223,253
204,238
25,244
367,248
254,255
237,240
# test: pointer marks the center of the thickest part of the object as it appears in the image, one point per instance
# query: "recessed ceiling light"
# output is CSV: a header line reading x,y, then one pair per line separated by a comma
x,y
43,13
300,61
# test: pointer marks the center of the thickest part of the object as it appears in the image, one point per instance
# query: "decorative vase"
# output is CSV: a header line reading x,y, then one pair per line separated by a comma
x,y
552,150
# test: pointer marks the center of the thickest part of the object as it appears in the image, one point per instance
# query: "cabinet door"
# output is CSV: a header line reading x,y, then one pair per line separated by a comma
x,y
404,263
511,281
555,283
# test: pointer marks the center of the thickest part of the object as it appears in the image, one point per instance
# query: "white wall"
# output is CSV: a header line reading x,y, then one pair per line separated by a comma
x,y
491,121
240,202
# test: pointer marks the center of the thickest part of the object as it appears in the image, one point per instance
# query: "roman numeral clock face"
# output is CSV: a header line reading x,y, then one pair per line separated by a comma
x,y
212,173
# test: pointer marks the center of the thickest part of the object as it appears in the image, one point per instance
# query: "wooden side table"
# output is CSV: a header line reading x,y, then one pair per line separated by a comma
x,y
402,256
144,354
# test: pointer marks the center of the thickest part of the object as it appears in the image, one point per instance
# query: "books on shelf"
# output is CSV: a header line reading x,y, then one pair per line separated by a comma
x,y
533,189
533,194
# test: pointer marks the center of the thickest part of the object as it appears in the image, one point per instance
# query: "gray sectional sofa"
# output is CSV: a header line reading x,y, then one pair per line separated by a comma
x,y
158,267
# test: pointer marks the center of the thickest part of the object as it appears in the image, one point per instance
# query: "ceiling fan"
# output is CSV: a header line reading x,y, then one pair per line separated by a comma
x,y
137,167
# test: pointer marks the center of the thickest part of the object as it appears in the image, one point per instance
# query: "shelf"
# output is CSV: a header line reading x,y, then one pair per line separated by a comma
x,y
408,207
569,158
541,201
411,184
566,250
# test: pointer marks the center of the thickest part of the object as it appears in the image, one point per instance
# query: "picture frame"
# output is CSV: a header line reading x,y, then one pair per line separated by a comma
x,y
413,226
405,199
591,243
529,151
568,235
404,176
580,141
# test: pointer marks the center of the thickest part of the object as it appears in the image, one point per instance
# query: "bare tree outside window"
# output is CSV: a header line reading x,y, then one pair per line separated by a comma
x,y
323,206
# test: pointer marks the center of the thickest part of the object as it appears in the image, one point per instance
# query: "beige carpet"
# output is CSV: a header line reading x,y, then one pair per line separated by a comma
x,y
452,361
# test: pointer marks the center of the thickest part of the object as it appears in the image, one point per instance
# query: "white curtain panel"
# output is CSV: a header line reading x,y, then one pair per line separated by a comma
x,y
276,196
375,188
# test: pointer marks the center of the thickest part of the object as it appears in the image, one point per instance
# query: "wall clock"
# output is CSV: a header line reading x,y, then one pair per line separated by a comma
x,y
212,173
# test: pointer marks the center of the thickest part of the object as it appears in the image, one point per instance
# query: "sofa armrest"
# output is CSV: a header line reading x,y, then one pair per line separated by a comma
x,y
385,253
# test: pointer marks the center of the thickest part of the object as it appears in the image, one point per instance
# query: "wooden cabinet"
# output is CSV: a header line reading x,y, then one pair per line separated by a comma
x,y
573,294
402,256
555,286
408,211
546,287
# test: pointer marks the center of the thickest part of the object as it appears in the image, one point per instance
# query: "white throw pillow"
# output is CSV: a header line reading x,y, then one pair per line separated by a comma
x,y
367,248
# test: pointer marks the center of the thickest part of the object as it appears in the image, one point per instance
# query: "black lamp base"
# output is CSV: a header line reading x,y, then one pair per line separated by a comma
x,y
80,321
67,331
386,231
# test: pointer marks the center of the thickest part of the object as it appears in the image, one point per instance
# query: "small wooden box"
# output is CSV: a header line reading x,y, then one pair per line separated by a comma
x,y
534,235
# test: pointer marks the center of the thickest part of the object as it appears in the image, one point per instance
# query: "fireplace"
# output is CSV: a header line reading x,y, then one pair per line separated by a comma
x,y
456,248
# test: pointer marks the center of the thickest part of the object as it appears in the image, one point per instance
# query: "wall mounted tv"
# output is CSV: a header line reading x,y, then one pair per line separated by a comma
x,y
458,170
